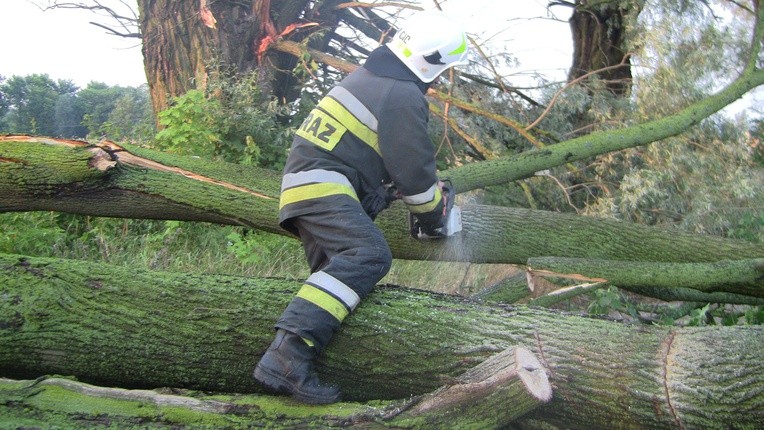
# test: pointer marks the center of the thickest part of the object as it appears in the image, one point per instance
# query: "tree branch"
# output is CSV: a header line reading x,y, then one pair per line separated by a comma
x,y
129,24
476,175
378,4
570,84
106,180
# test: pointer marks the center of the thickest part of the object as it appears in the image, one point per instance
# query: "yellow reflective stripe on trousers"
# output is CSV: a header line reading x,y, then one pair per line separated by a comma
x,y
324,301
425,207
314,191
347,119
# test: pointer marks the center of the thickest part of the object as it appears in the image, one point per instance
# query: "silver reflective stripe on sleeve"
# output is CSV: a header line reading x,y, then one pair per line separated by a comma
x,y
336,288
421,198
354,106
291,180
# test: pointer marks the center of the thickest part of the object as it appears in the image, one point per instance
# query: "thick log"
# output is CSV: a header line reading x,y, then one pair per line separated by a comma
x,y
114,326
62,403
108,180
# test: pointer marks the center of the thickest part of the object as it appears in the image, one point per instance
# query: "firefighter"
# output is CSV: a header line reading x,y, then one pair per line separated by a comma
x,y
364,145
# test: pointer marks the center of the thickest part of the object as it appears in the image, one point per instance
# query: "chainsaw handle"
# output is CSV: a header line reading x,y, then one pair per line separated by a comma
x,y
449,195
450,217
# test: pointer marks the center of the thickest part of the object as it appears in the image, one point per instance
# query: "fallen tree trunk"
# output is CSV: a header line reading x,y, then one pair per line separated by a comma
x,y
107,180
116,326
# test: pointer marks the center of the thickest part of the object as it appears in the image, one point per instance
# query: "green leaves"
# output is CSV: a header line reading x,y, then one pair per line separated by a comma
x,y
230,122
611,299
191,126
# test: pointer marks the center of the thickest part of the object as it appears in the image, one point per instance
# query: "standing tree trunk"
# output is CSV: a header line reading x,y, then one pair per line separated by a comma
x,y
600,43
184,42
177,48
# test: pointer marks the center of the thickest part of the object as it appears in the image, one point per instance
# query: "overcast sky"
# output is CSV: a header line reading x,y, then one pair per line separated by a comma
x,y
64,45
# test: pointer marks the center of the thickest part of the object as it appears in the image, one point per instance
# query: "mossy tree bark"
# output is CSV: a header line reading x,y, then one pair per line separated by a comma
x,y
130,328
56,402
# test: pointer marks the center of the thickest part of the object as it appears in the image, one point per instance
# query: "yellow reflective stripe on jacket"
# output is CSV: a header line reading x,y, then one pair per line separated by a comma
x,y
324,301
354,106
312,184
347,119
314,191
424,207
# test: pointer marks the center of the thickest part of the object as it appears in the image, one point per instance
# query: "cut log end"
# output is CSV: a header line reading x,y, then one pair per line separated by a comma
x,y
532,374
512,381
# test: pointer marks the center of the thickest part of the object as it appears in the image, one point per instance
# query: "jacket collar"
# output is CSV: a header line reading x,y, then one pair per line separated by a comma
x,y
382,62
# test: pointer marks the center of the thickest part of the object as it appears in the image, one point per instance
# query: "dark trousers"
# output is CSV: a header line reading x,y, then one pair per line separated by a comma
x,y
342,241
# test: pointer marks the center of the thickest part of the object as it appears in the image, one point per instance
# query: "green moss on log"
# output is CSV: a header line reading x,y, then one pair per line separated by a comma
x,y
58,403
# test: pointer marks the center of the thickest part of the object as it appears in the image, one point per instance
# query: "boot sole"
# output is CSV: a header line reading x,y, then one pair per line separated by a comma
x,y
278,384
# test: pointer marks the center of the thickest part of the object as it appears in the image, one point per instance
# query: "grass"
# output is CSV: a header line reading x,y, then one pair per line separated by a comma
x,y
208,249
155,245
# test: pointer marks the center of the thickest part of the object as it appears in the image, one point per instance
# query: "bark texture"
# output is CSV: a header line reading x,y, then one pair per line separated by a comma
x,y
63,403
490,395
496,392
114,326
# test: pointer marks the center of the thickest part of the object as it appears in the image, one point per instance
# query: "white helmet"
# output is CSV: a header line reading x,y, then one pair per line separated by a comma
x,y
429,43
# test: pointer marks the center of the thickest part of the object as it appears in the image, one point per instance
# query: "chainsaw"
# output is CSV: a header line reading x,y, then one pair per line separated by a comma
x,y
453,217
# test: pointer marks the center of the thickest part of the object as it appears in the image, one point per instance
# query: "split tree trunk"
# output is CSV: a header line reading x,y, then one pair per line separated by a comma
x,y
115,326
709,277
185,43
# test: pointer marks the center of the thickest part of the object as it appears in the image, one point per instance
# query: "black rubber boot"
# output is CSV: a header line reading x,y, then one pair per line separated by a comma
x,y
287,367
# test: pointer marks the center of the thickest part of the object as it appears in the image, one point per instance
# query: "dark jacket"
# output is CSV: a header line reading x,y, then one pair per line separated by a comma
x,y
367,134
